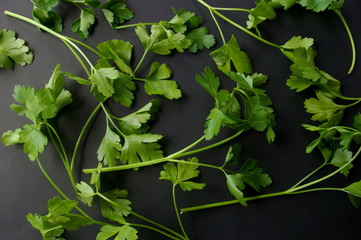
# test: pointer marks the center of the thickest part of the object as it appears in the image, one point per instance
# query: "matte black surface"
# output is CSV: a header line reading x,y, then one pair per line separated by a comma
x,y
324,215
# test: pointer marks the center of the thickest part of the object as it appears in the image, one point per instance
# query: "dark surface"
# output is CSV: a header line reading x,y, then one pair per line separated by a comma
x,y
323,215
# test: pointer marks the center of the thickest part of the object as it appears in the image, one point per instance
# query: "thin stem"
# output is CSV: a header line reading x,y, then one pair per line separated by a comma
x,y
208,147
63,156
338,12
77,56
174,155
231,9
135,25
165,159
248,199
218,27
239,26
81,136
141,61
138,215
83,44
329,175
177,212
154,229
28,20
62,193
308,176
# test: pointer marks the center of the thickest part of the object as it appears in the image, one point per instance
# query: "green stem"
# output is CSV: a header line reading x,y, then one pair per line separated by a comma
x,y
141,61
174,155
155,229
169,158
135,25
208,147
232,9
63,38
308,176
248,199
62,193
238,26
293,190
353,49
62,156
138,215
177,212
218,27
81,136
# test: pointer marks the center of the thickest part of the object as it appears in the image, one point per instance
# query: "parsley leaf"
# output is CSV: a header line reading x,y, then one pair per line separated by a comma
x,y
230,57
118,51
12,50
58,219
140,147
109,149
82,25
259,14
48,18
120,210
316,6
354,192
116,12
248,174
125,232
181,174
157,82
85,193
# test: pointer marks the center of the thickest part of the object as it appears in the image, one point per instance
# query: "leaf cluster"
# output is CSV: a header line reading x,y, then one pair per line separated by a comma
x,y
305,74
335,143
115,12
38,106
257,113
58,219
248,174
180,33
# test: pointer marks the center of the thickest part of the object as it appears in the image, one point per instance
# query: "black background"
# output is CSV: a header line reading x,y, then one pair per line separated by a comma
x,y
322,215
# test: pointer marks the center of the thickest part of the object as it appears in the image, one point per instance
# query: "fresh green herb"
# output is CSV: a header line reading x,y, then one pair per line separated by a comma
x,y
13,50
115,12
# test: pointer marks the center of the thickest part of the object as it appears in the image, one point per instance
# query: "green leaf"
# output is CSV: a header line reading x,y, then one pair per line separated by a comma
x,y
230,56
123,89
316,6
109,149
357,122
235,186
253,175
49,19
92,3
85,193
354,191
324,109
82,25
181,173
11,137
12,50
34,141
115,212
47,5
298,42
122,233
141,148
215,120
157,82
102,79
340,159
116,12
200,39
209,81
60,207
136,122
118,51
80,80
232,155
259,14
